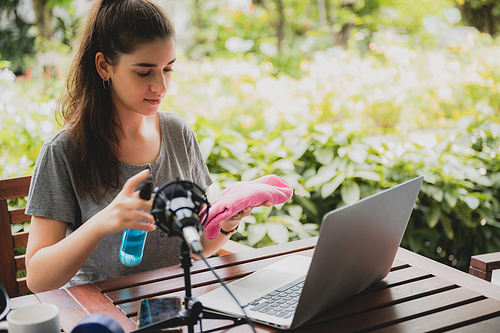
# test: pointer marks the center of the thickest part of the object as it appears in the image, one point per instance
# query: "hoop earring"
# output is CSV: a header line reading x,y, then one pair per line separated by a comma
x,y
105,83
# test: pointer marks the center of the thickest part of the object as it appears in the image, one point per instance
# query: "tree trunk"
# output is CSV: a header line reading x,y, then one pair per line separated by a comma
x,y
322,13
197,15
341,38
280,33
43,18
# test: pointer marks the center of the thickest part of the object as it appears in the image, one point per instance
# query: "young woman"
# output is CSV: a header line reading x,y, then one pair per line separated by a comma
x,y
84,187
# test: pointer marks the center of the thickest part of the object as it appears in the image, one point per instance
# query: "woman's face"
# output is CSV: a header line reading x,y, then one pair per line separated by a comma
x,y
140,79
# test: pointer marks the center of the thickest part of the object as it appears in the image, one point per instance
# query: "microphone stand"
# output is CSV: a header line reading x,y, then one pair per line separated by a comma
x,y
193,309
192,313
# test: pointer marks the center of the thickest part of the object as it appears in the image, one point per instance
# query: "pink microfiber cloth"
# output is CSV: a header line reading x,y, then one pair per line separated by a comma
x,y
241,195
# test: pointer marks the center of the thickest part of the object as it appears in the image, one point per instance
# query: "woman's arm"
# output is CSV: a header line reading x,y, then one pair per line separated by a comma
x,y
212,246
53,259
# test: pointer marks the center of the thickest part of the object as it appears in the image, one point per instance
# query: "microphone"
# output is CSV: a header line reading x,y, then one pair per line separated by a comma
x,y
176,209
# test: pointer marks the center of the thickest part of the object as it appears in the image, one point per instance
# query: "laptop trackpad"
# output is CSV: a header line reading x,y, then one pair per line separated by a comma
x,y
264,280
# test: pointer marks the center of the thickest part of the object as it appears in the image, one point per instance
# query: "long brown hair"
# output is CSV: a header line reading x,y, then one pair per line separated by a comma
x,y
113,27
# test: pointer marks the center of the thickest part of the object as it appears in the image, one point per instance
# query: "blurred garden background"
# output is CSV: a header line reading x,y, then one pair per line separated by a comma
x,y
342,98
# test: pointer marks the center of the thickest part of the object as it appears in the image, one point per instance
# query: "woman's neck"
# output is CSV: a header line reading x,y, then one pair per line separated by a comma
x,y
134,126
139,139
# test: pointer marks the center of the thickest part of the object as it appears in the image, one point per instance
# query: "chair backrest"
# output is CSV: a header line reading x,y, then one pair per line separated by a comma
x,y
12,188
486,266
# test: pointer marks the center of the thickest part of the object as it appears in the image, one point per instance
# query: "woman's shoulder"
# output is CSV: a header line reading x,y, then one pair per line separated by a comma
x,y
58,140
172,117
173,122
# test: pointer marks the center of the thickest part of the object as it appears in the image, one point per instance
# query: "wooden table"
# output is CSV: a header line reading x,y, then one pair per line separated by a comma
x,y
418,295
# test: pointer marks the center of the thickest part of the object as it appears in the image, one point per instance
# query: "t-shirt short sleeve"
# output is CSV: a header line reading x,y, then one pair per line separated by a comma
x,y
51,192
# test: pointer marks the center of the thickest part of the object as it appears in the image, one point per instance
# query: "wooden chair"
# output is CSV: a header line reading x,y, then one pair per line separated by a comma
x,y
18,187
483,265
12,188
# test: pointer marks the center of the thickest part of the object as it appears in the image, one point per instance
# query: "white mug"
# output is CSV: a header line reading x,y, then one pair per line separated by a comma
x,y
36,318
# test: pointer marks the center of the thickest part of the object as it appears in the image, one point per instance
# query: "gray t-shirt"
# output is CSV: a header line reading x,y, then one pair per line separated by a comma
x,y
53,195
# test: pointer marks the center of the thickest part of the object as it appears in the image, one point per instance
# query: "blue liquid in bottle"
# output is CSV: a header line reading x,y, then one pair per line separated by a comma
x,y
132,247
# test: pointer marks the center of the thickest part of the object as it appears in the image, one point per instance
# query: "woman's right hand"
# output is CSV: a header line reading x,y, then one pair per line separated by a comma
x,y
52,259
128,210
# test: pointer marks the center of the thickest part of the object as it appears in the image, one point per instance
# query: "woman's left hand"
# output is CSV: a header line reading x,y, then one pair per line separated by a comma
x,y
233,222
212,246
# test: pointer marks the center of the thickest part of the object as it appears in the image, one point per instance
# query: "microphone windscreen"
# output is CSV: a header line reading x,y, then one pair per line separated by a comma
x,y
175,190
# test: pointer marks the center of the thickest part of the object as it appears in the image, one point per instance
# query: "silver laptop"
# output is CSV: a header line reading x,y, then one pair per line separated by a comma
x,y
356,248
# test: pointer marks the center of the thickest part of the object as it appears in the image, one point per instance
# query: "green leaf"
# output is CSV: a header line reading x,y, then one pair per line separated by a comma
x,y
489,217
471,201
325,173
284,165
286,220
273,145
464,213
367,174
300,230
451,199
16,227
357,155
306,204
277,232
300,149
429,177
237,148
250,174
295,211
324,156
350,192
474,175
330,187
206,146
255,233
447,227
434,192
4,64
434,215
231,165
452,15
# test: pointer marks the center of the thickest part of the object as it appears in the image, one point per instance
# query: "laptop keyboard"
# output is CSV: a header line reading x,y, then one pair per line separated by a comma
x,y
281,302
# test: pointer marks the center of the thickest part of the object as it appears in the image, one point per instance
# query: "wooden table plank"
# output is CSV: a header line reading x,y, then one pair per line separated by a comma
x,y
17,302
452,318
389,296
71,311
91,299
197,279
399,276
446,272
417,295
199,266
404,311
488,325
174,282
130,308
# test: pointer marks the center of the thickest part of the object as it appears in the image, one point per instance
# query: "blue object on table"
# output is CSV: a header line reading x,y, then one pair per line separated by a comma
x,y
132,247
98,323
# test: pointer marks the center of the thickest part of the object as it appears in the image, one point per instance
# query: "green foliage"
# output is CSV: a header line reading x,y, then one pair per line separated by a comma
x,y
284,33
482,14
20,41
350,126
16,43
24,124
457,211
